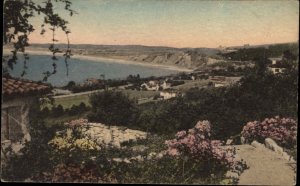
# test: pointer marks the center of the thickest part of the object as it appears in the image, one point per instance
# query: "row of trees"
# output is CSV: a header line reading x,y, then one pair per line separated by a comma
x,y
58,110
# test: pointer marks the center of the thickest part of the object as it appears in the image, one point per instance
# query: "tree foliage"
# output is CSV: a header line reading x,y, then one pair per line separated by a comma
x,y
18,26
113,108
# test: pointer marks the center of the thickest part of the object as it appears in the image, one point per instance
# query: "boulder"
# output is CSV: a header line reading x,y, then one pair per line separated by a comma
x,y
243,140
286,156
229,142
271,144
230,174
257,144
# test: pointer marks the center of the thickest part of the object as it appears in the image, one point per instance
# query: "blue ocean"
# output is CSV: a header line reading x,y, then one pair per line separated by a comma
x,y
81,69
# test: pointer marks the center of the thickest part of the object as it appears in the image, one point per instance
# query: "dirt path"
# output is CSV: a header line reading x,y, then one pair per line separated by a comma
x,y
266,167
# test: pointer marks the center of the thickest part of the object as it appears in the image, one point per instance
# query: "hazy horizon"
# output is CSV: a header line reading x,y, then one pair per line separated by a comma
x,y
179,24
164,45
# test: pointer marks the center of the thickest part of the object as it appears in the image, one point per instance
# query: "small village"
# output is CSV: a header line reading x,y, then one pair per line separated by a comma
x,y
165,87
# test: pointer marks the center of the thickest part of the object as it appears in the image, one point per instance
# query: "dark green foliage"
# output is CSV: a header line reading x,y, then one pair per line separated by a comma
x,y
255,97
169,170
57,111
262,52
176,83
83,88
45,112
112,108
77,109
167,117
36,155
70,85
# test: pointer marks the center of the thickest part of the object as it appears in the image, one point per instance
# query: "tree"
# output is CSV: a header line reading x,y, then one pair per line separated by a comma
x,y
288,55
17,27
57,111
113,108
71,84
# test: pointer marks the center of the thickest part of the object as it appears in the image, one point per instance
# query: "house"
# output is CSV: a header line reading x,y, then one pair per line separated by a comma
x,y
277,66
166,85
219,84
92,81
168,94
151,85
18,98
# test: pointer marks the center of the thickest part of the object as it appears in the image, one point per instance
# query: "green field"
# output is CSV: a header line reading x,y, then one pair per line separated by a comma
x,y
67,102
191,84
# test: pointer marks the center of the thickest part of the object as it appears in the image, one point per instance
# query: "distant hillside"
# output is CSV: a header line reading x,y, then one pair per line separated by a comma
x,y
275,50
184,57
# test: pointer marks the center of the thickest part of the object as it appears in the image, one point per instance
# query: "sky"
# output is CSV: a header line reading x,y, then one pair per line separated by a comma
x,y
177,23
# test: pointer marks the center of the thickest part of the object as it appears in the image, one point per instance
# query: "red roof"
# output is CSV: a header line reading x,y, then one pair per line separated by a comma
x,y
20,87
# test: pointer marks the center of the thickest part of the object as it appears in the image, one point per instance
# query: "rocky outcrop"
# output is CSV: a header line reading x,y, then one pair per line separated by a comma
x,y
272,145
266,167
97,134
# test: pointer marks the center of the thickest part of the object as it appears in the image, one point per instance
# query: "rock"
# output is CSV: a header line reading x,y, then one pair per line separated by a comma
x,y
151,155
229,142
257,145
117,159
271,144
243,140
286,156
126,160
230,174
137,158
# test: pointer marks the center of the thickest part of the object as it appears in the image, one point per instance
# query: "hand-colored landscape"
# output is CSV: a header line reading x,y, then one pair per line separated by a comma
x,y
150,92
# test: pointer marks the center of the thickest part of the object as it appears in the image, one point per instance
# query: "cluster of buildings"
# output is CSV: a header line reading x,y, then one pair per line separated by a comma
x,y
156,85
278,65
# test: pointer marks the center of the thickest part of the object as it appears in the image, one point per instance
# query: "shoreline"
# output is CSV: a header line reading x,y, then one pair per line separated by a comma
x,y
111,60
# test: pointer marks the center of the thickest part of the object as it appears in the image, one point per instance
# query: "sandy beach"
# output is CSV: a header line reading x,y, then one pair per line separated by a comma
x,y
108,60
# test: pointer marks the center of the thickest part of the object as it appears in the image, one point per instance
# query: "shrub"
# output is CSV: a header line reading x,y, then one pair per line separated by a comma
x,y
57,111
45,112
77,109
114,108
282,130
167,170
196,144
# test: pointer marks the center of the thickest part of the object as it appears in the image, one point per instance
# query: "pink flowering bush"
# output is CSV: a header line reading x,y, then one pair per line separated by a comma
x,y
281,130
196,144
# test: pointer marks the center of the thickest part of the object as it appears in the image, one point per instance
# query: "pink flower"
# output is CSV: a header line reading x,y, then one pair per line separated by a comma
x,y
181,134
173,152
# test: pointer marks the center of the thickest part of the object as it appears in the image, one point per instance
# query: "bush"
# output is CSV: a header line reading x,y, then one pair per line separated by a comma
x,y
113,108
77,109
167,170
57,111
36,156
45,112
167,117
281,130
196,144
191,158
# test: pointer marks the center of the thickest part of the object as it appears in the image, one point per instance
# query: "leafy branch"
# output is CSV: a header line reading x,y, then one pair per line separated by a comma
x,y
17,28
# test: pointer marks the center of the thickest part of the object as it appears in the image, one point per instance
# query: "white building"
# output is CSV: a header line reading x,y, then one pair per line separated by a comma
x,y
277,66
165,85
168,94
